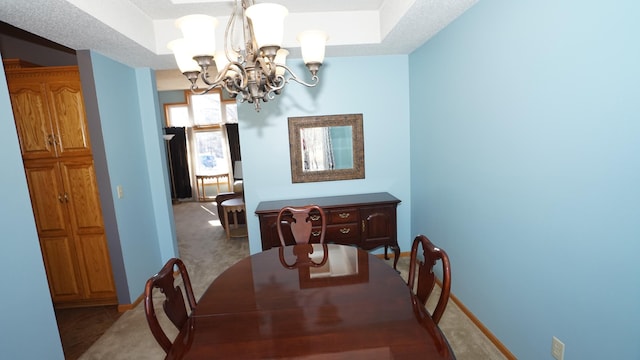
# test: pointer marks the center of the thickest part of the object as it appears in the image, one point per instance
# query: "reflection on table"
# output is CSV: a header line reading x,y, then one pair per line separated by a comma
x,y
334,302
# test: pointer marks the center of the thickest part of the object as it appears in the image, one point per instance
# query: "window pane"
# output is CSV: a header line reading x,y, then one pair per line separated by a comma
x,y
232,112
210,154
177,115
206,109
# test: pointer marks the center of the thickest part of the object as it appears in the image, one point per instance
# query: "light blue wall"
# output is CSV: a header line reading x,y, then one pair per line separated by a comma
x,y
26,311
525,143
131,130
155,147
373,86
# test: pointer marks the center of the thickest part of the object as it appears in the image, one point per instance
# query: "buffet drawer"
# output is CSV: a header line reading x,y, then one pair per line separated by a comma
x,y
342,216
344,233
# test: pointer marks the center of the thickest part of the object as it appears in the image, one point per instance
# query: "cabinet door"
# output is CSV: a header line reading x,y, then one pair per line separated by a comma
x,y
47,197
378,226
82,196
66,106
85,213
93,256
49,111
35,130
61,264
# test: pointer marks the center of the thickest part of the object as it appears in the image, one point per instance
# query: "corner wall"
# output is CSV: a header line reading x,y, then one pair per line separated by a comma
x,y
525,168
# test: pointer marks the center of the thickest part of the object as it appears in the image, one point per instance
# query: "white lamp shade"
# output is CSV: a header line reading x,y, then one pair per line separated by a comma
x,y
184,55
221,60
267,20
312,44
200,32
281,59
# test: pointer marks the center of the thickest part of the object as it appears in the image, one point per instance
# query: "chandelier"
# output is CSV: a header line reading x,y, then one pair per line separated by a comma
x,y
254,71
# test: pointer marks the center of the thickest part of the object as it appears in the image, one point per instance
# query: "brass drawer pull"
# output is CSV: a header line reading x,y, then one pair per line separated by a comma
x,y
315,233
345,230
344,215
314,217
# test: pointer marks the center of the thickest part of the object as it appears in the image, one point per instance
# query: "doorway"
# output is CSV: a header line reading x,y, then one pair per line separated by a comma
x,y
205,168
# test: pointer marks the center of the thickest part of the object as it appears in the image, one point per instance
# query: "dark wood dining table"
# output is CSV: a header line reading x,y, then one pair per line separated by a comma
x,y
310,302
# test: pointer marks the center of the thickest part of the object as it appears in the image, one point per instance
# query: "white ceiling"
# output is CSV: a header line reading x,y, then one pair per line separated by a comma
x,y
135,32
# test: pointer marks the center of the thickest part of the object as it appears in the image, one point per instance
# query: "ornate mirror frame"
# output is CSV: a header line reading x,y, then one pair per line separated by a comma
x,y
296,124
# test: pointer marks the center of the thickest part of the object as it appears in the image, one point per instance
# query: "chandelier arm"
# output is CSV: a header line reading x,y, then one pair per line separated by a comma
x,y
228,34
195,89
251,49
222,75
241,71
295,78
265,67
314,78
204,76
277,83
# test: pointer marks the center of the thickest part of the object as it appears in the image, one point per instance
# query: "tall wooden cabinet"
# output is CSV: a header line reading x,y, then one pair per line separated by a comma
x,y
51,123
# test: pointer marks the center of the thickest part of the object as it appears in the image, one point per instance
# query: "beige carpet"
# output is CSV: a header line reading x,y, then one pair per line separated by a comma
x,y
206,252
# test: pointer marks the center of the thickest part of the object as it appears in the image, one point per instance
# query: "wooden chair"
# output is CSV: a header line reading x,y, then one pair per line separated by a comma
x,y
174,304
426,277
300,221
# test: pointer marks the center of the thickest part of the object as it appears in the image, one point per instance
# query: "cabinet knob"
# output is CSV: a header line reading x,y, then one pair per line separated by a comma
x,y
66,197
60,198
345,230
344,215
50,139
315,233
314,217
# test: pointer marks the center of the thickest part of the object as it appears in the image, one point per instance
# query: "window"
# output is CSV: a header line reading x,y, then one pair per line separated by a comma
x,y
206,108
203,117
177,115
210,155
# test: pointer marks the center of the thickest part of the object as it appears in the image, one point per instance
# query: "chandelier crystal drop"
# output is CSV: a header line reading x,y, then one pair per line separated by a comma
x,y
254,71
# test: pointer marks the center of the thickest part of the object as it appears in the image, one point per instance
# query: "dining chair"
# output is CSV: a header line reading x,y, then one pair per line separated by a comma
x,y
300,220
174,305
426,277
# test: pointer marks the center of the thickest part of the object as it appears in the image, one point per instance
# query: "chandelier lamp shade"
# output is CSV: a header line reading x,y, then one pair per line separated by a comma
x,y
254,71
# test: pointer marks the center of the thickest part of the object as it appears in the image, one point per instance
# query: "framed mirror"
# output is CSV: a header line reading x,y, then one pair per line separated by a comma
x,y
326,148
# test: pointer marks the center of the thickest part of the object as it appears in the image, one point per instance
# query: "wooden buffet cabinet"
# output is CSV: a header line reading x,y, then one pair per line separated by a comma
x,y
364,220
50,117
